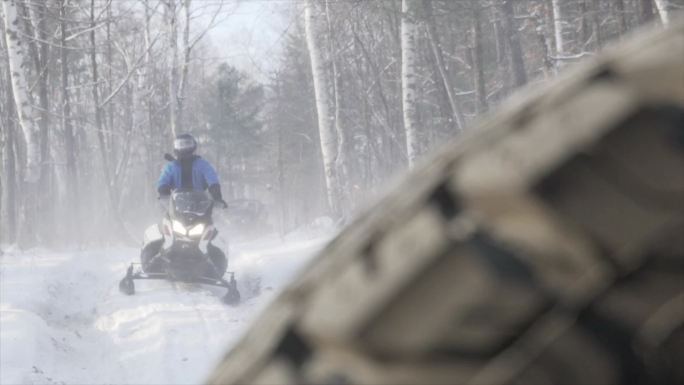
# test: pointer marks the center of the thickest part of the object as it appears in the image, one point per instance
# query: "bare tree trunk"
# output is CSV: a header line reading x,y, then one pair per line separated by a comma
x,y
47,171
558,27
1,232
34,16
69,143
96,101
187,46
478,64
151,142
559,39
341,159
595,24
585,29
390,140
645,11
11,187
621,16
10,170
185,64
112,196
540,30
172,23
280,167
663,11
26,113
108,113
436,46
321,85
107,175
512,37
120,172
27,117
499,40
409,83
39,56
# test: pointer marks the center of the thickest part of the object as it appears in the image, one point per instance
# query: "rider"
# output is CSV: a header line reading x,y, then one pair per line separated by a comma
x,y
189,171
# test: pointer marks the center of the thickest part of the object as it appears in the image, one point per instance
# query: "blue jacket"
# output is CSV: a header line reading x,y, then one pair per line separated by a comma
x,y
203,175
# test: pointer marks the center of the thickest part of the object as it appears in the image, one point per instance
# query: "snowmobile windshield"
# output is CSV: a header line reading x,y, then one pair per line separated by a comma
x,y
191,202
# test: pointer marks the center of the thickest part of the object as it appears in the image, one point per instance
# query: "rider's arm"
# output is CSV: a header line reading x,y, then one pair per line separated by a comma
x,y
208,172
211,179
165,182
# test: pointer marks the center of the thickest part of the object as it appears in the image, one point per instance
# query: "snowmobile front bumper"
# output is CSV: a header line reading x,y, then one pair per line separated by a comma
x,y
232,297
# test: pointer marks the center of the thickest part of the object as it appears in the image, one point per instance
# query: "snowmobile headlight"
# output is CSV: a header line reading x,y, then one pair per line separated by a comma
x,y
179,228
197,230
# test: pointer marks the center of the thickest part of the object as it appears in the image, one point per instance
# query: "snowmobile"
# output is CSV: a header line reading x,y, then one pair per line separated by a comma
x,y
180,248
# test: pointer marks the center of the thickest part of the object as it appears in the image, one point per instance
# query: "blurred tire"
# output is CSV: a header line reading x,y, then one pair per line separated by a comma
x,y
543,247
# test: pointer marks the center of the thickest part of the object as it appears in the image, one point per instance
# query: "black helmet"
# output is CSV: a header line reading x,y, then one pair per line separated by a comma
x,y
184,145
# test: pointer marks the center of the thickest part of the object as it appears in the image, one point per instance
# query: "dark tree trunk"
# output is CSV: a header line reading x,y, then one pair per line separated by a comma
x,y
69,146
549,68
512,38
594,8
111,198
499,41
584,24
438,55
646,13
10,169
108,115
98,109
342,160
621,16
38,52
390,144
477,54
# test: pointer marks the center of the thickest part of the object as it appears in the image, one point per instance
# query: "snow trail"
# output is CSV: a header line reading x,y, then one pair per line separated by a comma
x,y
63,320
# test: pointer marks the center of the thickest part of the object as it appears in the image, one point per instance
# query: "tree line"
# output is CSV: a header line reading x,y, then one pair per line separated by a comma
x,y
388,80
93,91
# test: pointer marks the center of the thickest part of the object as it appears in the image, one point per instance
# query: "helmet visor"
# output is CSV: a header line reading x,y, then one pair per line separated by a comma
x,y
183,144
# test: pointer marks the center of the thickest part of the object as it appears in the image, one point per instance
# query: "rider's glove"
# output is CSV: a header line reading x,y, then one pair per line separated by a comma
x,y
215,192
164,190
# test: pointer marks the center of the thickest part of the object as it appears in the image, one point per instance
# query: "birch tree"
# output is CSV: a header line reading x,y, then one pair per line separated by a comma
x,y
409,83
663,11
26,113
10,167
185,65
342,135
172,24
558,32
37,38
187,45
478,61
313,25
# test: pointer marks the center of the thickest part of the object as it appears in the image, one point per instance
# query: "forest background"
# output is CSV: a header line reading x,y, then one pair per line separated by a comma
x,y
92,93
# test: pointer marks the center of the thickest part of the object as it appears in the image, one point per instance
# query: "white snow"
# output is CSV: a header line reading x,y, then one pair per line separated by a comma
x,y
63,320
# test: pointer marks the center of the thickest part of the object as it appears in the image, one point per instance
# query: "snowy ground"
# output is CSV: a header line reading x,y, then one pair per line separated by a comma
x,y
63,320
